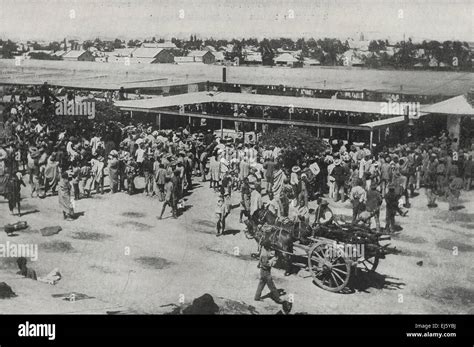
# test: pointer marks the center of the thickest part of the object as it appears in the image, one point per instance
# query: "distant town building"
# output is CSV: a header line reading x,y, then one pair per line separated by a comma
x,y
352,58
311,62
286,59
79,55
254,58
205,57
186,60
144,55
219,57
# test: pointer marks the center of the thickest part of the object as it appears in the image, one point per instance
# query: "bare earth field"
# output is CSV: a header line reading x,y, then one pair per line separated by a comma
x,y
115,75
125,260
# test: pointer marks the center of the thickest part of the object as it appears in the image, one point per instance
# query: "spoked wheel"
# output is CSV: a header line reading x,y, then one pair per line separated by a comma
x,y
369,264
329,268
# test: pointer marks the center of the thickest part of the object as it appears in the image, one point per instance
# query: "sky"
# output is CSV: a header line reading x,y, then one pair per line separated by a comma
x,y
377,19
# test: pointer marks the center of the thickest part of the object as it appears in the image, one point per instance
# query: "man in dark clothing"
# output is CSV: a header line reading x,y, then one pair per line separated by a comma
x,y
286,194
46,95
391,199
245,202
147,167
12,192
374,200
176,179
121,93
340,175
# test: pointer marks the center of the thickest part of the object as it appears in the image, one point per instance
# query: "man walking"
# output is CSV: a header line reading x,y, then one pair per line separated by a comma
x,y
374,200
391,199
266,261
169,198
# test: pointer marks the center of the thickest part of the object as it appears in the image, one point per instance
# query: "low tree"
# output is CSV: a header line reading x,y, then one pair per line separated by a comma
x,y
296,144
43,56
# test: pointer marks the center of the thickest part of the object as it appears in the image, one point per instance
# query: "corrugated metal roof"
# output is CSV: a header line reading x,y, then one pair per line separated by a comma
x,y
255,99
455,106
198,53
285,58
143,52
74,54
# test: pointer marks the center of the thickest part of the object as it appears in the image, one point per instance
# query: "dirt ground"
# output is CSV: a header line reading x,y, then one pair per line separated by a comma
x,y
124,260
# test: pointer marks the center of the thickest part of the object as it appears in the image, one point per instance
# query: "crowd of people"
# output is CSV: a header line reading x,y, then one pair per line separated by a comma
x,y
72,158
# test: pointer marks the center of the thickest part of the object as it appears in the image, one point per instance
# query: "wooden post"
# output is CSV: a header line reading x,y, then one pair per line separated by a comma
x,y
131,114
380,136
330,132
371,138
222,129
159,121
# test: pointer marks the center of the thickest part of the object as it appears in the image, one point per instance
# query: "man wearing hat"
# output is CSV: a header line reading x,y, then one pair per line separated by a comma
x,y
169,191
147,166
255,201
323,213
160,179
267,260
340,174
358,198
270,167
33,169
385,174
222,211
374,201
286,195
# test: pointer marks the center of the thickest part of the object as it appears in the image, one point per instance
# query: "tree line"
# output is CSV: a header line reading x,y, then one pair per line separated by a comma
x,y
454,55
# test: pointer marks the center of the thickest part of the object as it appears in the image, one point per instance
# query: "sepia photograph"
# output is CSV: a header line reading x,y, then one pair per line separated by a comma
x,y
239,158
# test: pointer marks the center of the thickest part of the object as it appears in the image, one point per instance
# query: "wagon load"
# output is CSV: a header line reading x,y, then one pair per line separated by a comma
x,y
331,251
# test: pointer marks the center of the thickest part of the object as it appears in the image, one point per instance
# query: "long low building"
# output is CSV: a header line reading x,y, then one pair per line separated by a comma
x,y
169,105
254,99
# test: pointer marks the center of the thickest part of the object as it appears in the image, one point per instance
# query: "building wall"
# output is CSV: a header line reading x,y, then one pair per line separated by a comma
x,y
164,57
87,56
208,58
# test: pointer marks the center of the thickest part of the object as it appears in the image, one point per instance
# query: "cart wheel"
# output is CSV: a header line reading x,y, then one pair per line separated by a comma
x,y
370,264
329,268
